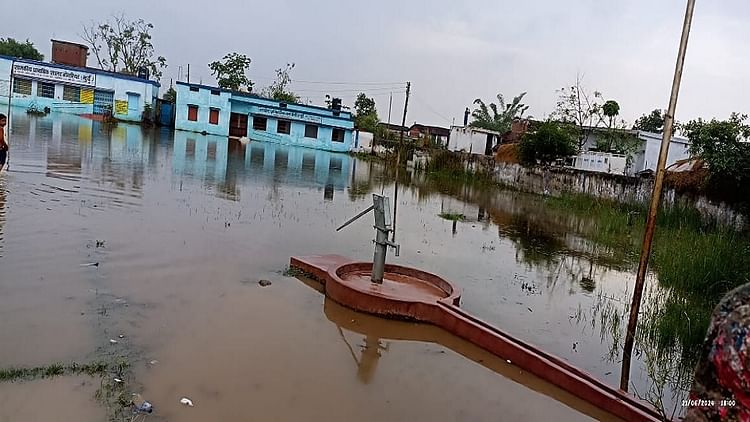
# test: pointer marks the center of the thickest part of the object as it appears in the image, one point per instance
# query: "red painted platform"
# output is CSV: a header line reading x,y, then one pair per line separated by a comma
x,y
408,293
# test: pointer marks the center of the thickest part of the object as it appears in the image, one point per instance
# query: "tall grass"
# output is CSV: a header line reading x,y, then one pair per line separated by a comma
x,y
696,261
446,167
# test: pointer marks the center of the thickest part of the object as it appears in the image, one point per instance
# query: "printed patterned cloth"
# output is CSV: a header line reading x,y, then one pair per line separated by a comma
x,y
721,388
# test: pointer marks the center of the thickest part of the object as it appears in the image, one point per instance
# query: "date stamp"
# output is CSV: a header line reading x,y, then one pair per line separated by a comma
x,y
709,403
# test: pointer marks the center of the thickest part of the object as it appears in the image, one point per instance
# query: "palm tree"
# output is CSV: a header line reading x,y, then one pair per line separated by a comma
x,y
611,109
502,115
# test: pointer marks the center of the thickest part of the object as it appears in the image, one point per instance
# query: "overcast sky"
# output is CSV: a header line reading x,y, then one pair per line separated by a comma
x,y
451,51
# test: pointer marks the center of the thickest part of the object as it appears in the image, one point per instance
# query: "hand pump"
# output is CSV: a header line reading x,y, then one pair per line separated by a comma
x,y
383,226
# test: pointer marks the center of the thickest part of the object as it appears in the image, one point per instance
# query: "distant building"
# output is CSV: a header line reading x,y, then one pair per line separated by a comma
x,y
363,141
218,111
473,140
68,88
643,159
517,129
394,129
647,155
437,134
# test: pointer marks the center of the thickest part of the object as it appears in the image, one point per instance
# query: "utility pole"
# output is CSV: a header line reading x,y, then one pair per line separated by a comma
x,y
403,120
398,160
188,73
653,208
390,105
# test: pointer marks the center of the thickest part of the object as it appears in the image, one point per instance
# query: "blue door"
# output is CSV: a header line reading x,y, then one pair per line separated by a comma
x,y
133,101
103,101
166,114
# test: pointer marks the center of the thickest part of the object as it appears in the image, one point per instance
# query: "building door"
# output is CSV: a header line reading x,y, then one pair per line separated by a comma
x,y
238,124
103,101
488,145
134,100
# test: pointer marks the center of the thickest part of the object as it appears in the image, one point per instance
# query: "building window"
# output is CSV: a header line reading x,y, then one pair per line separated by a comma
x,y
311,131
71,93
213,116
43,89
337,135
259,123
215,92
194,88
284,126
193,113
22,86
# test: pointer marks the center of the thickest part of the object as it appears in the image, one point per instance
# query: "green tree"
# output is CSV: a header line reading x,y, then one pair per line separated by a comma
x,y
23,50
498,117
724,146
652,122
365,113
615,138
578,107
278,88
170,95
122,45
619,141
230,72
611,110
549,142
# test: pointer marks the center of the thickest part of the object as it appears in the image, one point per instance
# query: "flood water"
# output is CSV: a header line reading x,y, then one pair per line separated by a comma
x,y
157,239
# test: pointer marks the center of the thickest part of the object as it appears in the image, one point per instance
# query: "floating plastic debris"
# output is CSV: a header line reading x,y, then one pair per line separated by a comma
x,y
113,341
186,401
141,405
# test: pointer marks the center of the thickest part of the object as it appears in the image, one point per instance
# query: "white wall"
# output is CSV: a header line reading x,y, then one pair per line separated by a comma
x,y
364,141
467,140
601,162
679,149
647,155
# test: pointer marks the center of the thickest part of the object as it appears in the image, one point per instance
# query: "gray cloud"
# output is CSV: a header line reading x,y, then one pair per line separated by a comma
x,y
452,52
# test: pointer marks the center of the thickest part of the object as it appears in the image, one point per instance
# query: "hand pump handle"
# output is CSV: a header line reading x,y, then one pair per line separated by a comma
x,y
353,219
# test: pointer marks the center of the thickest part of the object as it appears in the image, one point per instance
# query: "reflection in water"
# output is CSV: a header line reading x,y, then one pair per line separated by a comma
x,y
368,360
374,331
226,164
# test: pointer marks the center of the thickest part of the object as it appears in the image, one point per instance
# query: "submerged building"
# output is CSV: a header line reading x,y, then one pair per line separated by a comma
x,y
66,85
218,111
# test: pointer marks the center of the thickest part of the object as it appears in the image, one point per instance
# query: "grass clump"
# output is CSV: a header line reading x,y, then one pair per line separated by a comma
x,y
55,369
452,216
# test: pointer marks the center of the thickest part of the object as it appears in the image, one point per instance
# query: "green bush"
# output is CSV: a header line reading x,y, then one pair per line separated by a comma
x,y
550,142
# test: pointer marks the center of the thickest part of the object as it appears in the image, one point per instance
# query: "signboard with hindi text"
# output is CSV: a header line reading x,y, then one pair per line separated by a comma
x,y
289,114
121,106
87,96
53,74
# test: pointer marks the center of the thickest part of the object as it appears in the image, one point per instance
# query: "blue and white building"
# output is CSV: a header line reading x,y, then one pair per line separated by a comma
x,y
218,111
76,90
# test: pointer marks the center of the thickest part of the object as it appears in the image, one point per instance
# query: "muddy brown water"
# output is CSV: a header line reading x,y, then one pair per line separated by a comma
x,y
158,239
